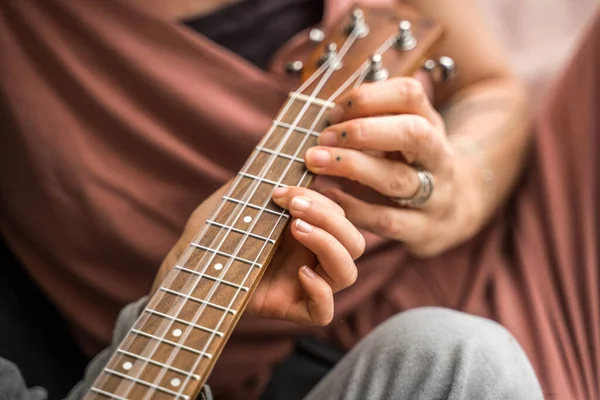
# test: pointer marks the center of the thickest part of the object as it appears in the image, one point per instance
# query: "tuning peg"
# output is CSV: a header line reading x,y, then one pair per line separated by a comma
x,y
442,70
294,67
330,55
316,35
405,40
376,72
448,68
357,24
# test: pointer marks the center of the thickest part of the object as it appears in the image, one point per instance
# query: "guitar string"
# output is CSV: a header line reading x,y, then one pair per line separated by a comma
x,y
189,250
349,41
358,73
307,104
186,257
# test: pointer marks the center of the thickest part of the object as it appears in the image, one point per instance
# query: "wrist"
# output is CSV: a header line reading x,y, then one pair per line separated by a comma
x,y
475,184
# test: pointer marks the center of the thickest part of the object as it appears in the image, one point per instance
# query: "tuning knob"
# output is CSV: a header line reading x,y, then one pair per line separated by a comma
x,y
442,70
330,55
376,72
357,24
447,68
405,40
316,35
294,67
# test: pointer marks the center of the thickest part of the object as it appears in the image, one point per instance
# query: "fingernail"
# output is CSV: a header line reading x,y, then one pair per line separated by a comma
x,y
335,115
327,138
303,227
318,157
280,191
300,203
309,273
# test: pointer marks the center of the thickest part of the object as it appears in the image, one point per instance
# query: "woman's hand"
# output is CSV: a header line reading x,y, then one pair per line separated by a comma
x,y
314,260
390,117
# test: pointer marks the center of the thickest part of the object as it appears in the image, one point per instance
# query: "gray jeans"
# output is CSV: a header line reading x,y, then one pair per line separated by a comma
x,y
427,353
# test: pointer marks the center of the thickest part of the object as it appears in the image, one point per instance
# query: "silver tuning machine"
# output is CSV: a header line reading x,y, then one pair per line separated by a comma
x,y
442,70
375,71
330,56
357,24
405,40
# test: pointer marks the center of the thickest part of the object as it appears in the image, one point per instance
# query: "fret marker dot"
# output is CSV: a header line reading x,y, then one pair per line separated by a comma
x,y
247,219
127,365
175,382
218,266
177,332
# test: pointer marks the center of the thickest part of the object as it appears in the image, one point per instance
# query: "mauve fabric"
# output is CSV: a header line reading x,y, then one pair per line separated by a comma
x,y
116,124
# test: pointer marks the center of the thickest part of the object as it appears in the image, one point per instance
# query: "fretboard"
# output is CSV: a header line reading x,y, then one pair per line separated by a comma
x,y
175,342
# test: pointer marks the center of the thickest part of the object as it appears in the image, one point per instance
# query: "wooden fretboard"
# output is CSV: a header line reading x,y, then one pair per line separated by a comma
x,y
171,349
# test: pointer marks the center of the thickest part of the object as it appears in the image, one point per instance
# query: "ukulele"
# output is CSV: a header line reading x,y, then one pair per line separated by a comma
x,y
174,344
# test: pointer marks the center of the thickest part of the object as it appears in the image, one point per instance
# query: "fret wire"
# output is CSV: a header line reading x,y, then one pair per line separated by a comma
x,y
234,200
107,394
269,151
143,382
183,321
176,344
197,300
342,52
221,253
213,278
253,235
296,128
158,364
312,100
258,178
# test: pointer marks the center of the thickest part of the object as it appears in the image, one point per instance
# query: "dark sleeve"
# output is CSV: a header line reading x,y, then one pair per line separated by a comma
x,y
125,321
12,385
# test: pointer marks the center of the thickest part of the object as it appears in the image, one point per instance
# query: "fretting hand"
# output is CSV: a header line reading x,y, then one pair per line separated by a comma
x,y
314,260
428,210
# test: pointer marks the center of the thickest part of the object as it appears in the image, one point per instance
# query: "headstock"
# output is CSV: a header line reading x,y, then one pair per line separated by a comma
x,y
372,44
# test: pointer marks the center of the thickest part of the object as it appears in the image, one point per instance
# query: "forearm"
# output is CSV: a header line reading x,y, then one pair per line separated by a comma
x,y
488,126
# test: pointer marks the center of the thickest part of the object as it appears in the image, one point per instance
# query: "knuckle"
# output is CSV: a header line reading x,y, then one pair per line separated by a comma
x,y
387,225
352,276
359,247
356,129
418,133
417,128
412,92
327,219
324,319
330,243
398,180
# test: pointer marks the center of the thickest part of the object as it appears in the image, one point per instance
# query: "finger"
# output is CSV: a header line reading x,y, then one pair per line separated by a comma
x,y
282,197
336,264
317,306
405,133
403,95
388,177
317,214
403,224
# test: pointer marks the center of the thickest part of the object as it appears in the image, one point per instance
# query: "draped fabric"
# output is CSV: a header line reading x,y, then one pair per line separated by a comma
x,y
117,124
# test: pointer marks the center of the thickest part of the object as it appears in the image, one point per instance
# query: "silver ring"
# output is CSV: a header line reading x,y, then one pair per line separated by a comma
x,y
424,192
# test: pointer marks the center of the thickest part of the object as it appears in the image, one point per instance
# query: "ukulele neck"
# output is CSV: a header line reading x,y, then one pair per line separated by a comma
x,y
175,342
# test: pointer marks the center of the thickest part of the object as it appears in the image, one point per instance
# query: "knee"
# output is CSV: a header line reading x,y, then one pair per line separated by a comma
x,y
456,347
434,329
